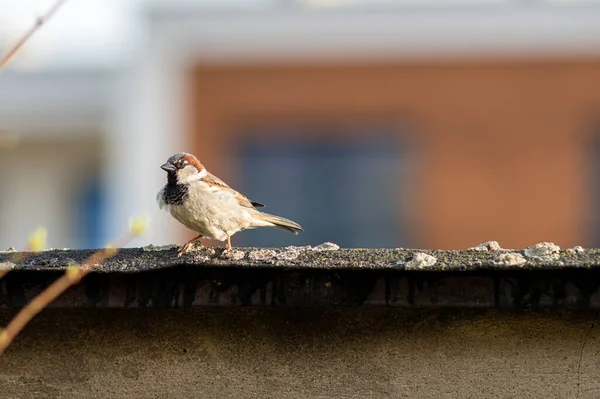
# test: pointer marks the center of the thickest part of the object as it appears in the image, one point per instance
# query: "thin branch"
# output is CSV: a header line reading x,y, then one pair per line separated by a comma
x,y
71,277
23,39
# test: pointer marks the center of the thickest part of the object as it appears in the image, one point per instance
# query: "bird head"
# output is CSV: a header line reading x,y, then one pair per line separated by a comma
x,y
183,168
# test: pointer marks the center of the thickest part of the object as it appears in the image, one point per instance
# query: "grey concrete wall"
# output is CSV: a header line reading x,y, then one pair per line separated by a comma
x,y
303,353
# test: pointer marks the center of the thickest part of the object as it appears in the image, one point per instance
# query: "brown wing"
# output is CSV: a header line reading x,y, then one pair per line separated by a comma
x,y
214,181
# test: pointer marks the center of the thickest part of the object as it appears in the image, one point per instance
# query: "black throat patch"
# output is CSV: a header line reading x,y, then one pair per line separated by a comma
x,y
175,193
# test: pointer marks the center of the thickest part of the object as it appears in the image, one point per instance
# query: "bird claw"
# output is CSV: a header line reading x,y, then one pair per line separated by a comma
x,y
186,248
181,252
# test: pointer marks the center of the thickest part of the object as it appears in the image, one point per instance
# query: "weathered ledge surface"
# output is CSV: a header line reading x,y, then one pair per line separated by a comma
x,y
327,256
541,276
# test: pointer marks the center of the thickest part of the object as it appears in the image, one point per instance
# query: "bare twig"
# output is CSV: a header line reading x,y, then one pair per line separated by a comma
x,y
23,39
71,277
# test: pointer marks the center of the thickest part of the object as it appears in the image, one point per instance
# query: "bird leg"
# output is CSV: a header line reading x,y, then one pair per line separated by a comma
x,y
228,248
188,244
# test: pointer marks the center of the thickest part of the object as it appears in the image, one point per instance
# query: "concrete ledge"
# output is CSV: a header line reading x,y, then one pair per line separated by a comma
x,y
298,353
541,276
304,323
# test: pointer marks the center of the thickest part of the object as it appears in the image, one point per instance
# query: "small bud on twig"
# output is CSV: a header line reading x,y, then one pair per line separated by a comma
x,y
139,225
37,239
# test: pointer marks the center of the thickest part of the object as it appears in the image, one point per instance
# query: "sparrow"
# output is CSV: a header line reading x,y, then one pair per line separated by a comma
x,y
205,204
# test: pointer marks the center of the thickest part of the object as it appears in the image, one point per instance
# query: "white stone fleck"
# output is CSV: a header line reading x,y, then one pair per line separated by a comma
x,y
544,251
234,254
292,252
204,256
326,246
578,249
486,246
262,254
510,259
420,260
289,254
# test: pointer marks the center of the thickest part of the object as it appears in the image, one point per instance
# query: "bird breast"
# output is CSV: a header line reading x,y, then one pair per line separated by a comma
x,y
212,212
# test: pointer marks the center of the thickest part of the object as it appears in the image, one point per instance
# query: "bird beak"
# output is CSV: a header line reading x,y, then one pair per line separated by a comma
x,y
168,167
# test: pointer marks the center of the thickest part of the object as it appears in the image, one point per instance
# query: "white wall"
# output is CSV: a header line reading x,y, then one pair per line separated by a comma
x,y
39,183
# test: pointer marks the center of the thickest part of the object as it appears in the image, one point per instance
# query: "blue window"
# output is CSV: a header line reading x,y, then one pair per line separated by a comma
x,y
348,192
90,221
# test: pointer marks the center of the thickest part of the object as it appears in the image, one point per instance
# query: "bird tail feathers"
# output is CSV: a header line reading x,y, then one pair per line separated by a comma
x,y
282,223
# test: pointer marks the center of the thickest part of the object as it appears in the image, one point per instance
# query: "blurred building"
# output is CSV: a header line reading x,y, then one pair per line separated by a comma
x,y
52,154
382,124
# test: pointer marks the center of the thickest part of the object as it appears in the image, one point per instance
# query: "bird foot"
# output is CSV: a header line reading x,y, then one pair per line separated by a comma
x,y
186,248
